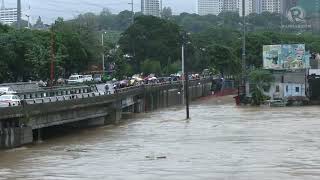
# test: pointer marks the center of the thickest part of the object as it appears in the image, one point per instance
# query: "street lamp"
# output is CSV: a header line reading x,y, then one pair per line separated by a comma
x,y
185,88
103,56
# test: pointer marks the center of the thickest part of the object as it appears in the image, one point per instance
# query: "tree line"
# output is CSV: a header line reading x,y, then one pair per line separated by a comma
x,y
150,45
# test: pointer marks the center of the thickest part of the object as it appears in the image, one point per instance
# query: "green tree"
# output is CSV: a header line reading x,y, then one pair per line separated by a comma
x,y
151,66
166,13
151,38
262,80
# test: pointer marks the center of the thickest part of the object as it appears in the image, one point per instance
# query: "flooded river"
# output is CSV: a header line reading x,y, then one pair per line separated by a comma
x,y
221,141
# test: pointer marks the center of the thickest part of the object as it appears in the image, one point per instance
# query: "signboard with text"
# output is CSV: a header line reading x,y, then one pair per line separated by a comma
x,y
301,14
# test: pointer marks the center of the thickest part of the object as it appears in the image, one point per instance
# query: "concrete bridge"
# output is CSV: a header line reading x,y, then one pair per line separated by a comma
x,y
23,124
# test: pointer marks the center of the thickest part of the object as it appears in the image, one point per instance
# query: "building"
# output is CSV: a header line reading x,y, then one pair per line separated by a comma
x,y
151,7
273,6
257,6
217,6
8,15
231,5
206,7
248,7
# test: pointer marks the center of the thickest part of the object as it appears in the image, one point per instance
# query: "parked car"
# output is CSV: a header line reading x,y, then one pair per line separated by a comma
x,y
9,100
87,78
97,78
74,79
7,90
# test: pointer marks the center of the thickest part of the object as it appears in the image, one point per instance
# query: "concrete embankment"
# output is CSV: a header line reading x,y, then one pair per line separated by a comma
x,y
25,124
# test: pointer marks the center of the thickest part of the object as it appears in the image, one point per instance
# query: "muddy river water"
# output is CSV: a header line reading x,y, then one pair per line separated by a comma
x,y
221,141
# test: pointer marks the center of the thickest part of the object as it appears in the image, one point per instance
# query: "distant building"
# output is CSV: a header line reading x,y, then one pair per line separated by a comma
x,y
217,6
273,6
257,6
231,5
8,15
251,6
248,7
206,7
151,7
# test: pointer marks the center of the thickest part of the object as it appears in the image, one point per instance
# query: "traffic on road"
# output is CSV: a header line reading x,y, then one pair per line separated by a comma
x,y
80,86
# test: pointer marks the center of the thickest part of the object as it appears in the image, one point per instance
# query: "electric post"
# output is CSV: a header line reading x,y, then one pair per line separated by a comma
x,y
185,75
19,14
243,63
132,11
52,58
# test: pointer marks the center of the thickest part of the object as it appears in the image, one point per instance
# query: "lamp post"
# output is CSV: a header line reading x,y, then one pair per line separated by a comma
x,y
182,71
243,62
185,88
103,56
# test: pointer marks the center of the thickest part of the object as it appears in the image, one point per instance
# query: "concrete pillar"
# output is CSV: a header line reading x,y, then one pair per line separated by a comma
x,y
151,102
6,137
115,116
26,135
167,97
39,135
1,135
139,106
12,137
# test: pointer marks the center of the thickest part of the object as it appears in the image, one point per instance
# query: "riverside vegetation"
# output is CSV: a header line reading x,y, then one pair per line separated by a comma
x,y
150,45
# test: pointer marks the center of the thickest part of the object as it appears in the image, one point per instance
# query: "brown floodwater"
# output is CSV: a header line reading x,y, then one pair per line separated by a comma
x,y
221,141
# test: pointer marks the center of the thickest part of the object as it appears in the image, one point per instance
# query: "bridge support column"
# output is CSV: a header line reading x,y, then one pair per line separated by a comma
x,y
152,102
116,113
139,106
1,135
39,135
115,116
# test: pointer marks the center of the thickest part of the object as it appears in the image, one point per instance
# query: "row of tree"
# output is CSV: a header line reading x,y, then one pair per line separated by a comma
x,y
150,45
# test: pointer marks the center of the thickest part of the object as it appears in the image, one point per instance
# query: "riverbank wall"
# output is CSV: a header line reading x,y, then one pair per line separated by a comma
x,y
25,124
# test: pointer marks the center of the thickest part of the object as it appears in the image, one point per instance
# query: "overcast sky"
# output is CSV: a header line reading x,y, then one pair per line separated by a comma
x,y
49,10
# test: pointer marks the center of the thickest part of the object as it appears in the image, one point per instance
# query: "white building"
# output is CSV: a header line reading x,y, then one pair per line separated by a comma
x,y
206,7
151,7
8,15
248,7
273,6
236,6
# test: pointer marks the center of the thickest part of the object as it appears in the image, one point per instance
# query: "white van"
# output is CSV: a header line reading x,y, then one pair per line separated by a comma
x,y
74,79
88,78
7,90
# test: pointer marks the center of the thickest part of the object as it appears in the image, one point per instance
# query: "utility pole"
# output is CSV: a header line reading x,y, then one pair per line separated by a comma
x,y
243,80
19,14
182,73
28,15
186,77
160,8
187,94
132,11
52,57
103,57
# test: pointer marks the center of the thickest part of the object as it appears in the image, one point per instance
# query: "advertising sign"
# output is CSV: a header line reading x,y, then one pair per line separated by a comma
x,y
287,56
271,57
301,14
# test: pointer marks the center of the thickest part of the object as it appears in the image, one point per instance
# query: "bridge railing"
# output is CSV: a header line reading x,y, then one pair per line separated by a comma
x,y
84,92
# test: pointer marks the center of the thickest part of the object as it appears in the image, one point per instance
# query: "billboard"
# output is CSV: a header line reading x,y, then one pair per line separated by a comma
x,y
301,14
286,56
